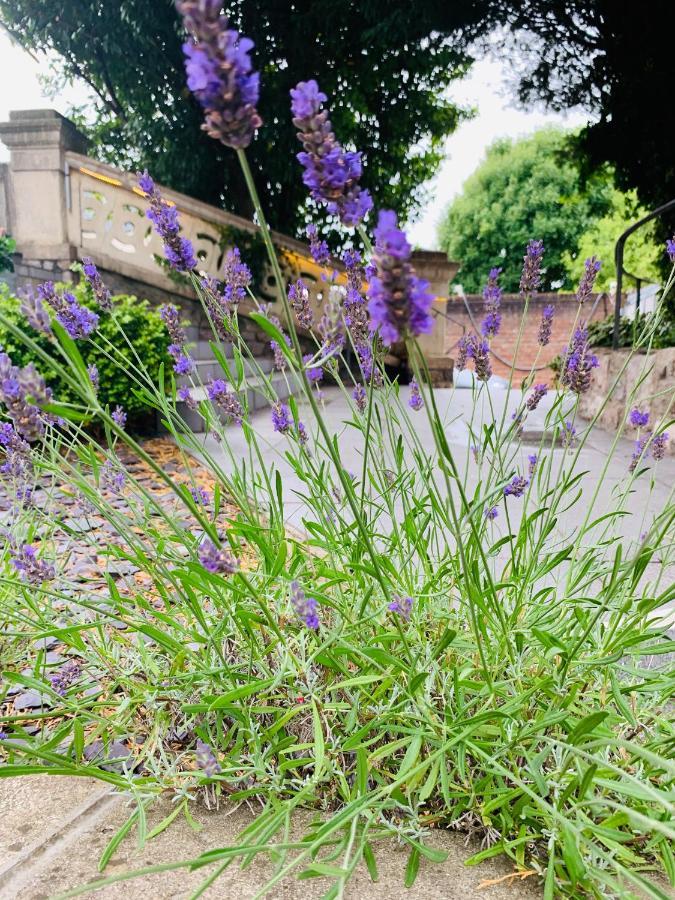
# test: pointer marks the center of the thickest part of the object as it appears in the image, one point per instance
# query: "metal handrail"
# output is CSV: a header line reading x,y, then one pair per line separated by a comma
x,y
620,271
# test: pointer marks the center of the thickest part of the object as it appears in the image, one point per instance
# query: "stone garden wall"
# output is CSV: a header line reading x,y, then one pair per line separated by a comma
x,y
656,391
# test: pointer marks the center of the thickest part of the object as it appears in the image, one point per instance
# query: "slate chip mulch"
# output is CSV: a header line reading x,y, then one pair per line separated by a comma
x,y
90,556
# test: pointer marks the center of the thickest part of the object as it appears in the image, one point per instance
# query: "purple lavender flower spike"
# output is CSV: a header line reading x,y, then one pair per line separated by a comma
x,y
401,606
317,247
184,394
463,345
331,173
112,478
306,608
546,325
479,351
236,277
640,451
475,452
281,418
95,282
578,362
220,73
591,268
298,296
33,309
516,487
226,400
658,445
200,495
532,460
178,250
670,249
92,372
538,393
171,316
400,302
530,278
355,307
31,569
314,373
206,760
492,297
21,390
216,560
119,417
359,395
569,435
415,401
491,513
638,419
78,321
65,677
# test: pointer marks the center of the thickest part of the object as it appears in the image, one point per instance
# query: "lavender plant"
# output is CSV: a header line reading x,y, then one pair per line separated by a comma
x,y
446,647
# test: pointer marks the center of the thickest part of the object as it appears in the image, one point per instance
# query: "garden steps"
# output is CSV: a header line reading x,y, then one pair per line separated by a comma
x,y
283,384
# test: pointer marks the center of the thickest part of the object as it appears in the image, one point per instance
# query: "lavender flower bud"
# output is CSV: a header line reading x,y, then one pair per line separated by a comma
x,y
530,278
31,569
359,395
492,297
219,73
400,302
226,400
33,309
306,608
95,282
206,760
578,362
539,391
216,560
479,351
546,325
638,419
516,487
401,606
415,401
331,173
591,268
78,321
178,250
658,445
298,296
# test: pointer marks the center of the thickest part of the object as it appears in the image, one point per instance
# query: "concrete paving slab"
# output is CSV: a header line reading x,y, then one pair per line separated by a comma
x,y
76,862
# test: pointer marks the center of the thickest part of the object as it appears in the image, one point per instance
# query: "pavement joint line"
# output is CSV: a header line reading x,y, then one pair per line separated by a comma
x,y
17,873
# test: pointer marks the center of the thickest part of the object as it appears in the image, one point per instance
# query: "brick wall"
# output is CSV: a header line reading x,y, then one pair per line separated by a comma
x,y
512,309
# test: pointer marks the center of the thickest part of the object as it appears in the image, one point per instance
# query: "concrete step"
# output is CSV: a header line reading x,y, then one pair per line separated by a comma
x,y
207,368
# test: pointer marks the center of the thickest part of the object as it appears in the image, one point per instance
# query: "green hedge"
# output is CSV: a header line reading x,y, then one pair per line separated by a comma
x,y
601,333
140,322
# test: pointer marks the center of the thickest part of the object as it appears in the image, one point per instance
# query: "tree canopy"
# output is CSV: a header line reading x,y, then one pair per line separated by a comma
x,y
382,65
612,59
523,190
643,252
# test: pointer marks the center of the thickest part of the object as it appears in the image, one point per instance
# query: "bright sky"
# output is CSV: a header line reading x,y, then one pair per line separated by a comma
x,y
485,88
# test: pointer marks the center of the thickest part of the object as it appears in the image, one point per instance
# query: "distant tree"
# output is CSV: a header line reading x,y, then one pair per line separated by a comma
x,y
613,59
522,190
382,64
643,252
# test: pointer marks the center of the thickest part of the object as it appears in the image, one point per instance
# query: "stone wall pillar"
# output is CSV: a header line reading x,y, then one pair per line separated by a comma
x,y
37,191
435,268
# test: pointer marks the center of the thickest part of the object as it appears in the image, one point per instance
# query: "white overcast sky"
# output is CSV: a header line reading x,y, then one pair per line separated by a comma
x,y
485,88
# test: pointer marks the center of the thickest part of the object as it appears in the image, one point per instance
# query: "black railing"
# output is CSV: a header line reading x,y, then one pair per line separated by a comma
x,y
620,271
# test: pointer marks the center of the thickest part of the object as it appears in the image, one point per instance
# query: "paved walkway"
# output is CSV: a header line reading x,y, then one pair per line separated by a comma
x,y
455,407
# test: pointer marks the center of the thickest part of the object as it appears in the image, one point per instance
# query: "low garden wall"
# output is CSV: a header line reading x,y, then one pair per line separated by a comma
x,y
656,393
